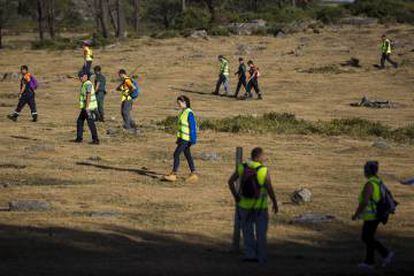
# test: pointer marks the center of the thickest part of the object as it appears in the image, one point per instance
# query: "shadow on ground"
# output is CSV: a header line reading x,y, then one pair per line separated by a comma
x,y
122,251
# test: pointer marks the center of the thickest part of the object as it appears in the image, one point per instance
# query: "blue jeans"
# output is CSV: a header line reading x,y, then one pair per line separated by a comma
x,y
254,225
126,108
183,146
225,81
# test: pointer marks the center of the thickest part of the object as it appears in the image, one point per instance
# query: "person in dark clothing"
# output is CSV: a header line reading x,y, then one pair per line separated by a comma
x,y
368,199
26,95
100,88
241,73
253,81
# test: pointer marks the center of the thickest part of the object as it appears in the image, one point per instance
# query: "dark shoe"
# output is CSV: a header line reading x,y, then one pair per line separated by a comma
x,y
260,97
396,65
12,117
34,118
94,142
76,141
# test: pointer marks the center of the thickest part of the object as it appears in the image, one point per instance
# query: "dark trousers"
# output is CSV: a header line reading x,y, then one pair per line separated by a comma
x,y
183,146
100,98
387,57
83,115
126,108
87,67
368,237
27,97
223,80
242,82
253,84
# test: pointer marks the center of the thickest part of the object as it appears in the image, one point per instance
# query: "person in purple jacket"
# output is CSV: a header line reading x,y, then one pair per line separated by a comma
x,y
186,137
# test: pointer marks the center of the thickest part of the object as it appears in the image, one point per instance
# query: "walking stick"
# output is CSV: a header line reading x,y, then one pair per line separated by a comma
x,y
237,222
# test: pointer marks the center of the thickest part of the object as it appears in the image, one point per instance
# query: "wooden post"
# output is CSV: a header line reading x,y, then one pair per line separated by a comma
x,y
237,222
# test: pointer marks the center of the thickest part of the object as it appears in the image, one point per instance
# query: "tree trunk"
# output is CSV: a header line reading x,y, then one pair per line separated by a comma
x,y
51,18
120,32
136,16
40,18
1,37
294,3
103,17
183,5
212,10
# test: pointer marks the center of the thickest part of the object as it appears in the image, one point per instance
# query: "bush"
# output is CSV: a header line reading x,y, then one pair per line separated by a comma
x,y
385,10
219,31
165,34
193,18
57,44
330,15
285,123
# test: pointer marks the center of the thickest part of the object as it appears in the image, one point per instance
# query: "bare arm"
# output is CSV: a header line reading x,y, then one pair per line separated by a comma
x,y
234,177
271,193
367,194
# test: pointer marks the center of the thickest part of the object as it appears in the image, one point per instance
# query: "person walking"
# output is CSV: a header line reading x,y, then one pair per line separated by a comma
x,y
386,49
252,204
100,88
87,105
28,85
127,87
367,211
186,138
253,81
241,74
87,57
223,79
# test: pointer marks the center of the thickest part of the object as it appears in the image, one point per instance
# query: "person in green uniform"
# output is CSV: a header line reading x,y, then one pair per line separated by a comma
x,y
100,88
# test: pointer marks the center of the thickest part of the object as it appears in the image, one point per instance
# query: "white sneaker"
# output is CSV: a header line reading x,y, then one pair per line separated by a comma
x,y
387,260
366,267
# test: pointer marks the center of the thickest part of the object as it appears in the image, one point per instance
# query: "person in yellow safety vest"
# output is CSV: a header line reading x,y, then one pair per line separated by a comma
x,y
366,210
126,87
224,72
186,138
386,49
87,105
87,56
252,204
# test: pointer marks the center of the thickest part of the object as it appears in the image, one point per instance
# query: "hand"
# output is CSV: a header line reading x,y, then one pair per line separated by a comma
x,y
275,208
355,217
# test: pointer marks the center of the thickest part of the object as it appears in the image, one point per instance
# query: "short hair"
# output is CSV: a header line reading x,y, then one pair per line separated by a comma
x,y
371,168
97,68
250,62
122,71
24,67
185,99
241,59
220,56
83,73
256,152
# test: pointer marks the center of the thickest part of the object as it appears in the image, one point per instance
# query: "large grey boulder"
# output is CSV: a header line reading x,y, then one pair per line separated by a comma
x,y
200,34
28,205
301,196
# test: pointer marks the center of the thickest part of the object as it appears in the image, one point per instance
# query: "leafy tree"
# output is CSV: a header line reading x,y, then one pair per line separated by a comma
x,y
8,12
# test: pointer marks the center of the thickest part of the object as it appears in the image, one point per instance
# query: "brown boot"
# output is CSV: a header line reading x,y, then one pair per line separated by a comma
x,y
192,178
172,177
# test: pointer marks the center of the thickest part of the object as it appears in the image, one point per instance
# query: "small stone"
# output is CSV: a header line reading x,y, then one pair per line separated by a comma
x,y
209,156
380,143
95,158
301,196
111,131
200,34
28,205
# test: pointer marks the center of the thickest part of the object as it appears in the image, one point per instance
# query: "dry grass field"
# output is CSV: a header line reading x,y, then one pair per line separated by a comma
x,y
113,216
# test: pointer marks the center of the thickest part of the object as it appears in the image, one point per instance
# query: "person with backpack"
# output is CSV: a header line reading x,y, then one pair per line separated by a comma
x,y
87,105
129,92
100,88
386,49
87,57
252,204
373,196
224,73
28,86
241,74
253,81
186,138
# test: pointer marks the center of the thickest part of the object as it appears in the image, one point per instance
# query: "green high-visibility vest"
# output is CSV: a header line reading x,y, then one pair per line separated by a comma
x,y
183,131
386,46
82,96
255,203
370,212
224,67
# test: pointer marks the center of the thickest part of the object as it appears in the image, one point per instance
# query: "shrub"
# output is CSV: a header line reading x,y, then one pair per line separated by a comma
x,y
193,18
165,34
219,31
385,10
330,15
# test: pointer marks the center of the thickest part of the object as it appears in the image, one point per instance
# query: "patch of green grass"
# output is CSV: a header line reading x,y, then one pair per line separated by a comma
x,y
285,123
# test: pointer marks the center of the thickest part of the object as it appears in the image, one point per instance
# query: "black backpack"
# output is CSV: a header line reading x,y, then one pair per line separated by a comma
x,y
386,205
250,187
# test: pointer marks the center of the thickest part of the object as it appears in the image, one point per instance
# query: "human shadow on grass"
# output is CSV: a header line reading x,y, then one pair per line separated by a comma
x,y
142,171
118,250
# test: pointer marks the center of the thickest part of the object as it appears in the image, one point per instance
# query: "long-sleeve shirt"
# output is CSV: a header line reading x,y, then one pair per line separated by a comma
x,y
242,71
